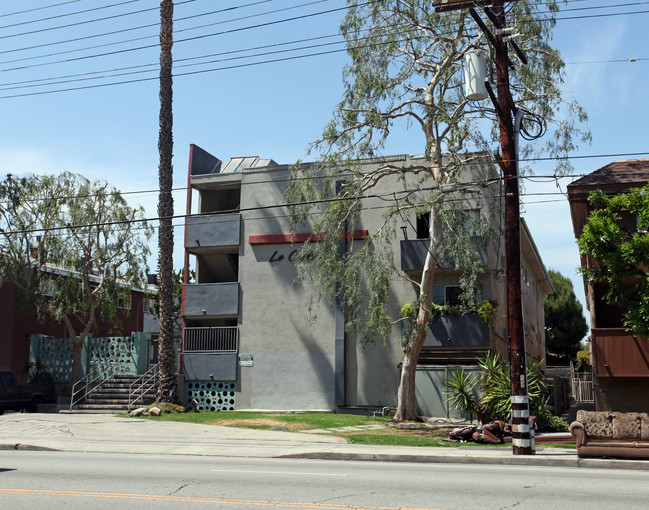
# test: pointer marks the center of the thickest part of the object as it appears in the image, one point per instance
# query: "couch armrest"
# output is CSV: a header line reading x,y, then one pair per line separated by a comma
x,y
577,430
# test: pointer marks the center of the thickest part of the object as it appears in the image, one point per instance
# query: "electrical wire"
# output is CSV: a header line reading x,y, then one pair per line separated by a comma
x,y
38,8
179,41
214,217
85,22
531,178
156,64
150,25
532,125
141,38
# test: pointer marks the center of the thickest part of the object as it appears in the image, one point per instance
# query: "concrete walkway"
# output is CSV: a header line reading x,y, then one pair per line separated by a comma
x,y
111,434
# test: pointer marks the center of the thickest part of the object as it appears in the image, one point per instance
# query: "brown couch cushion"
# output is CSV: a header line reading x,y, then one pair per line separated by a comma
x,y
644,427
626,426
597,424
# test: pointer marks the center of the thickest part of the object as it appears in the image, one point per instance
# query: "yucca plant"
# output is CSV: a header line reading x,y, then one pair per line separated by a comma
x,y
487,395
463,394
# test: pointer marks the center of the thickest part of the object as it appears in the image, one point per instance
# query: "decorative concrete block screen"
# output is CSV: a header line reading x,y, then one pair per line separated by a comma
x,y
116,351
210,395
120,355
56,356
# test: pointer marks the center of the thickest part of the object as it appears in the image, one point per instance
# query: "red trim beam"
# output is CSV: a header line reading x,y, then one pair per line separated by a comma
x,y
302,237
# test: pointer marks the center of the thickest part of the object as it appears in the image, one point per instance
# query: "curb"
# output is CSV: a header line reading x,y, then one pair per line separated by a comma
x,y
434,459
503,461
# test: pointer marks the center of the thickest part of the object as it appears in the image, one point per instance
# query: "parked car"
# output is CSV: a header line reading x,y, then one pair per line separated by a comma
x,y
14,396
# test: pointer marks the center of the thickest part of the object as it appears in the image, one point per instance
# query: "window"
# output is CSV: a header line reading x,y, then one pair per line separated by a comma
x,y
439,296
423,226
448,295
49,289
472,222
452,295
124,302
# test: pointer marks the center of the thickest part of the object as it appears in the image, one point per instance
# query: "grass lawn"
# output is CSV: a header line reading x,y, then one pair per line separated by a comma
x,y
300,422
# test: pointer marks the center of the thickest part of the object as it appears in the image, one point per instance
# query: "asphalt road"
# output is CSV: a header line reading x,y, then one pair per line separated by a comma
x,y
64,480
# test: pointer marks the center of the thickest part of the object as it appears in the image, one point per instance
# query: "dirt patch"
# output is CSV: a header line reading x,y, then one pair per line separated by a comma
x,y
441,433
262,423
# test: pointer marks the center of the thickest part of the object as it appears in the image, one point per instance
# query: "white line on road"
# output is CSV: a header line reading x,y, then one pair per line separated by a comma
x,y
276,472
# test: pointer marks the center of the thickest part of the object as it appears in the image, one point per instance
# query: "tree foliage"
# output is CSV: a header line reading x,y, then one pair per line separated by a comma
x,y
565,325
405,72
616,236
73,249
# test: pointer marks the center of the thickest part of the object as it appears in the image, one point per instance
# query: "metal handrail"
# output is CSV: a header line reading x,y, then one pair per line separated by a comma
x,y
90,383
143,383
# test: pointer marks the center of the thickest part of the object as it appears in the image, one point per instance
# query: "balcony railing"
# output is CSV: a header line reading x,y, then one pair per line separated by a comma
x,y
414,251
216,339
207,232
212,299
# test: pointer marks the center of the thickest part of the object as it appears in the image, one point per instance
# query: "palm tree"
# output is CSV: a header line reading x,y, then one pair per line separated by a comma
x,y
167,386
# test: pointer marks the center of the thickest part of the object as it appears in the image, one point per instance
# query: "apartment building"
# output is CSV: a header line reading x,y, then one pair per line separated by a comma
x,y
248,342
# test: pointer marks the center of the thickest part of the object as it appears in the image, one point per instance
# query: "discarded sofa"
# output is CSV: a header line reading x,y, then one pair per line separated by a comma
x,y
611,434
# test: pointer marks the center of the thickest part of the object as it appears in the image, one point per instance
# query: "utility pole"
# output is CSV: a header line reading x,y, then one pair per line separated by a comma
x,y
520,404
509,124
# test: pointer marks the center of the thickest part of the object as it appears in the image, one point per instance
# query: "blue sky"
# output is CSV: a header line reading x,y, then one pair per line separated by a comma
x,y
232,108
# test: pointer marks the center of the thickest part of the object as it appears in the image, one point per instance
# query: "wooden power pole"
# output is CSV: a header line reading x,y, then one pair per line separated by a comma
x,y
521,441
508,117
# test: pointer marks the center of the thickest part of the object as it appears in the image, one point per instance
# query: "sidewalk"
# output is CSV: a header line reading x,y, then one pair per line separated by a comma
x,y
110,434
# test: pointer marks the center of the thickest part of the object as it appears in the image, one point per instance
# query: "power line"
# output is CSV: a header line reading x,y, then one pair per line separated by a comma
x,y
348,174
123,82
85,22
146,47
243,50
389,194
140,80
138,48
132,29
138,69
176,31
216,217
38,8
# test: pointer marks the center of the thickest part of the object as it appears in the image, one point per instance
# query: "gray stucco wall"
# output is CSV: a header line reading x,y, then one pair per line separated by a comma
x,y
294,360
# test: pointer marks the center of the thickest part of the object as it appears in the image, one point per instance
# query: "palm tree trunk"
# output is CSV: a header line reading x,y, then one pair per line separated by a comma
x,y
167,387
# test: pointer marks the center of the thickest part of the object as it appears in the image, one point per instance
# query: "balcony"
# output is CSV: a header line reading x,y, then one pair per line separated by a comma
x,y
210,354
209,300
617,353
464,331
207,233
413,255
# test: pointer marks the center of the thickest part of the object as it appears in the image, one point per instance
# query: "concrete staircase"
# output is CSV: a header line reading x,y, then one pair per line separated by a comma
x,y
112,396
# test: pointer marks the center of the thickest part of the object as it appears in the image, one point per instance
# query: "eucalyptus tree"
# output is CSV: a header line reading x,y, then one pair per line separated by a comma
x,y
167,386
405,71
73,250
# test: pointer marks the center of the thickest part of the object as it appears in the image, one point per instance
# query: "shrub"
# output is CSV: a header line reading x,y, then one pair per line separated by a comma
x,y
487,395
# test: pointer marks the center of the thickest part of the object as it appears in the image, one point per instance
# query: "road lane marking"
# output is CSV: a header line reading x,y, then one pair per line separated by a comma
x,y
292,473
219,501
